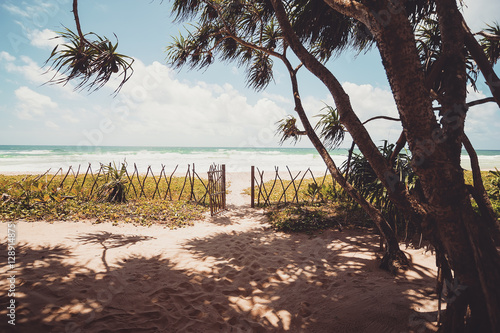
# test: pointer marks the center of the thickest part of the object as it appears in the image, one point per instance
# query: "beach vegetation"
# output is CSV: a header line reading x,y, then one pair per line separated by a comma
x,y
108,196
326,206
288,130
114,184
250,33
494,188
309,218
440,203
362,176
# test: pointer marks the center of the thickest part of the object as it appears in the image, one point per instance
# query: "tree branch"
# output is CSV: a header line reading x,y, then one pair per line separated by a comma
x,y
77,20
352,9
381,117
473,103
384,227
477,53
488,35
399,145
481,197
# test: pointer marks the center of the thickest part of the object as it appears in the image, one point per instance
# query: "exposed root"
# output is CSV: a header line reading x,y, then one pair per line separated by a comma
x,y
395,261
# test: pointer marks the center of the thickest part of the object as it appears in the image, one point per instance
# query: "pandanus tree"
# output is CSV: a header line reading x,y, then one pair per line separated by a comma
x,y
428,78
464,239
247,33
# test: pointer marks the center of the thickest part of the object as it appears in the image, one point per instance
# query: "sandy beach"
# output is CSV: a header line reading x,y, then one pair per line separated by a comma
x,y
229,273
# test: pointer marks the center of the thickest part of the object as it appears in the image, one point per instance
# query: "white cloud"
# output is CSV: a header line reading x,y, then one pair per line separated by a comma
x,y
32,104
478,13
11,8
35,15
5,56
29,69
51,124
32,71
156,107
44,39
69,116
482,122
369,101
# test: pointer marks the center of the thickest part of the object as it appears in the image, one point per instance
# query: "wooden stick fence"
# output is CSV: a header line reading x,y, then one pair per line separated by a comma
x,y
287,191
217,188
75,184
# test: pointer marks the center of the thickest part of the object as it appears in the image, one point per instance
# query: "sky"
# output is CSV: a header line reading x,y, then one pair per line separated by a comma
x,y
161,106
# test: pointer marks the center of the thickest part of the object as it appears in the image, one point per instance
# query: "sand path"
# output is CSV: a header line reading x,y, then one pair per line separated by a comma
x,y
225,274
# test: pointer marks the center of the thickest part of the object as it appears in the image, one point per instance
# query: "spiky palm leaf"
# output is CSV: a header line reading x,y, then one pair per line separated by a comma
x,y
260,72
364,179
89,62
428,37
113,189
330,128
287,129
491,42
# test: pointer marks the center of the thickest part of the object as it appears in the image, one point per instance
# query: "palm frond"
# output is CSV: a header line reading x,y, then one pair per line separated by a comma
x,y
260,72
90,63
491,42
287,129
330,128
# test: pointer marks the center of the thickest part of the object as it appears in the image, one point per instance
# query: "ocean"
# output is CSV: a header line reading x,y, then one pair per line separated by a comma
x,y
39,159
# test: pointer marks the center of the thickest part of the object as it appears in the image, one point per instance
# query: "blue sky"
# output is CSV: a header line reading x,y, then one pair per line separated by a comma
x,y
160,106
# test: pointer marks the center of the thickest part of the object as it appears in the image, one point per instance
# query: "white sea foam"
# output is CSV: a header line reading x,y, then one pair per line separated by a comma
x,y
40,159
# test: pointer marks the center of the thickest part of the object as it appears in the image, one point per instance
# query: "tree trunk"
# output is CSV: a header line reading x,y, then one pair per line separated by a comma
x,y
436,160
479,193
394,258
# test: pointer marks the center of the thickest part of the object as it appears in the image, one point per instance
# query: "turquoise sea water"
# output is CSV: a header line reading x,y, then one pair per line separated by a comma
x,y
36,159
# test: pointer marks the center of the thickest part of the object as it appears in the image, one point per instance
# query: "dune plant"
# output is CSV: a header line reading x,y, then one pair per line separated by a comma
x,y
494,191
364,179
114,187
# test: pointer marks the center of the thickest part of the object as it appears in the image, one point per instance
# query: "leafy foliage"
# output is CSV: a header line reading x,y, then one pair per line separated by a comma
x,y
247,33
310,218
297,218
326,206
428,37
491,42
364,179
288,129
494,191
91,62
330,128
114,187
221,27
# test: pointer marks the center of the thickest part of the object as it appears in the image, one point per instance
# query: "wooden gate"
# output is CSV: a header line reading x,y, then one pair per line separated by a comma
x,y
217,188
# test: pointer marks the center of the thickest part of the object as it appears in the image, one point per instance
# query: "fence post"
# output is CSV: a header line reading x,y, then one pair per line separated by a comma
x,y
252,186
224,186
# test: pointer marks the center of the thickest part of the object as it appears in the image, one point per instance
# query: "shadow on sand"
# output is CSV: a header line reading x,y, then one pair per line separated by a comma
x,y
261,281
